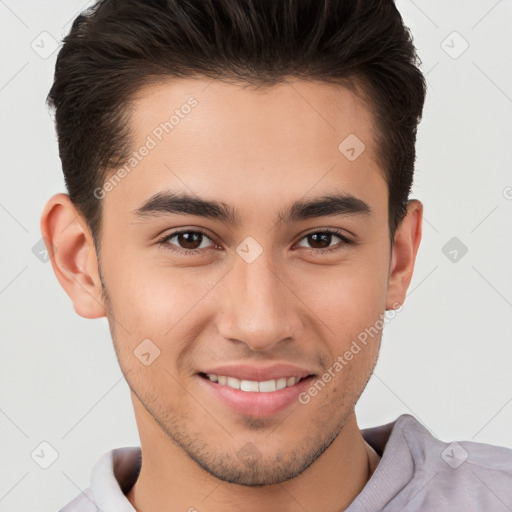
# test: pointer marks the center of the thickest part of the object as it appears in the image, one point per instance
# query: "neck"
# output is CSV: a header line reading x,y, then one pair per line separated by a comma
x,y
170,479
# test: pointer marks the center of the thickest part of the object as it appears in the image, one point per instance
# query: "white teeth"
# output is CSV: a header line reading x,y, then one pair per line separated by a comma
x,y
233,382
268,385
249,385
253,386
282,383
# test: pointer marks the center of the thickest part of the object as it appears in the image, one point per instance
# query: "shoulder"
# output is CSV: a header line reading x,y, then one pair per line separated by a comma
x,y
458,475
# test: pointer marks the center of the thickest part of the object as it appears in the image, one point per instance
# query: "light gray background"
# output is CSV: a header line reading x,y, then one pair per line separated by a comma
x,y
445,358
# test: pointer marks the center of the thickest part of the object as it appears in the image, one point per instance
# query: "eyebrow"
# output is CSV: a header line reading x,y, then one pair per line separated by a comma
x,y
164,203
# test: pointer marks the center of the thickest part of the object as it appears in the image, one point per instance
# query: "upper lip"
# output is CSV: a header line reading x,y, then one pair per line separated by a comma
x,y
258,373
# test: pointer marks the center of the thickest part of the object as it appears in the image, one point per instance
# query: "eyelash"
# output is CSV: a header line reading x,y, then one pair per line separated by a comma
x,y
165,239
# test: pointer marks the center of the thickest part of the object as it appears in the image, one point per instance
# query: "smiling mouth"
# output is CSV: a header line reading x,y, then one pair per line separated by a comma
x,y
254,386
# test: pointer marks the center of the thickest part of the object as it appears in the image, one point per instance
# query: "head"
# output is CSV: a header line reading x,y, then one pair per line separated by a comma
x,y
239,177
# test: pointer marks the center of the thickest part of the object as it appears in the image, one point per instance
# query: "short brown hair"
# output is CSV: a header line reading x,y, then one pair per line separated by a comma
x,y
117,46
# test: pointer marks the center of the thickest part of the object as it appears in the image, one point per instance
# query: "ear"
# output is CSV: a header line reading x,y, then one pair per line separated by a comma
x,y
405,247
71,251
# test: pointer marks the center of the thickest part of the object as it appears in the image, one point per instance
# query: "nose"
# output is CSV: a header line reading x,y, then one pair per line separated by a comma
x,y
259,307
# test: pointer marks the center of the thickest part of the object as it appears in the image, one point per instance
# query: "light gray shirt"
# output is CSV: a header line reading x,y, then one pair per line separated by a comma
x,y
417,472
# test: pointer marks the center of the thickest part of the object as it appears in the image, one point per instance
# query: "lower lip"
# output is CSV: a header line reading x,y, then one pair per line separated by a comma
x,y
257,403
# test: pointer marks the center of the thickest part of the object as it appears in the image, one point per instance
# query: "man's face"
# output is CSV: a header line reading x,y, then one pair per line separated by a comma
x,y
264,291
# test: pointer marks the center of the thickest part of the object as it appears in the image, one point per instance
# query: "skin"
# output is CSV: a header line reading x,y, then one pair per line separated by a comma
x,y
257,151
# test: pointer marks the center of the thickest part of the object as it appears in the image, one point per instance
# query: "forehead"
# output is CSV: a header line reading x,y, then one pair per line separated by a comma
x,y
213,138
292,111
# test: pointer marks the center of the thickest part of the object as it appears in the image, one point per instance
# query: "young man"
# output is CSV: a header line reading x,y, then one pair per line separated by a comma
x,y
239,175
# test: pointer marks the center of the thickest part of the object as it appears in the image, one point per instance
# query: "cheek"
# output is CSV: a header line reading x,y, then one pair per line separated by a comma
x,y
348,296
151,295
152,299
349,303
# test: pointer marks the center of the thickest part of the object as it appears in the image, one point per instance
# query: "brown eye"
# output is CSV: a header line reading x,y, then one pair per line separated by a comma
x,y
186,241
320,241
189,239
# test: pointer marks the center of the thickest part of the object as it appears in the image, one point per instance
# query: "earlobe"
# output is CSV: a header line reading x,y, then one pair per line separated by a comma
x,y
73,256
403,254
